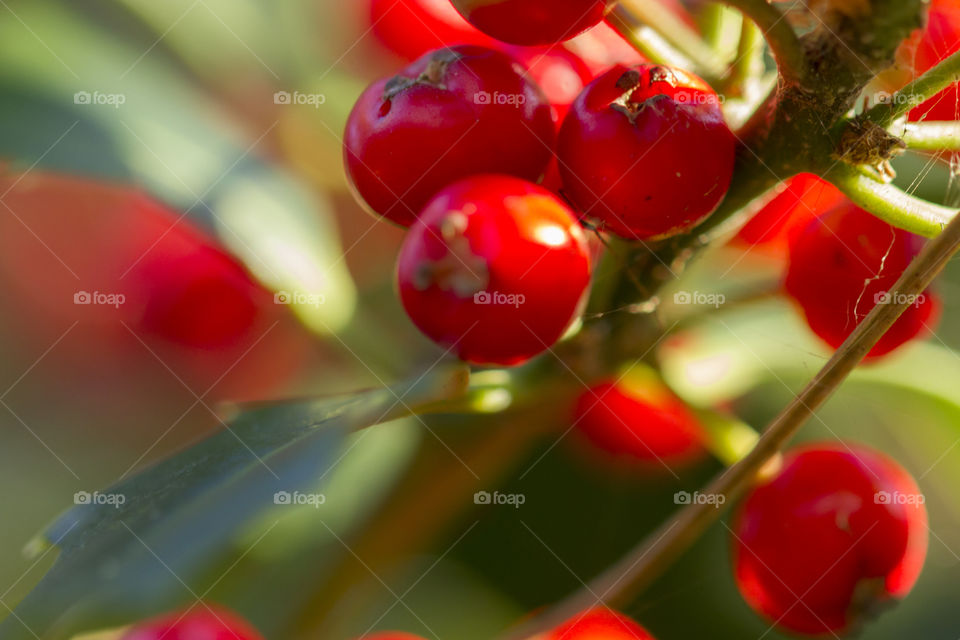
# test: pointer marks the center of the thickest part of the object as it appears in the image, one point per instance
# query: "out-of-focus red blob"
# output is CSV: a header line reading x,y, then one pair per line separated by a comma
x,y
561,74
391,635
803,198
602,47
203,622
142,284
599,624
929,46
411,28
639,420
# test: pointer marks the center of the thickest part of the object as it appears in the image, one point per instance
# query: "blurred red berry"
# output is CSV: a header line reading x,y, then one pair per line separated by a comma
x,y
203,622
929,46
646,151
495,269
411,28
599,624
452,114
640,419
837,535
802,198
561,74
531,22
845,263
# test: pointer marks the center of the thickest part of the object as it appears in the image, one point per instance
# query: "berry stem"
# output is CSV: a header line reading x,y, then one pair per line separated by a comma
x,y
784,43
748,67
932,136
940,77
649,41
685,39
890,203
621,583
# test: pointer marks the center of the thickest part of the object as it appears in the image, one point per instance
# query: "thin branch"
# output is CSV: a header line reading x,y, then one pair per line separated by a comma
x,y
649,41
619,584
932,136
783,40
749,64
891,203
940,77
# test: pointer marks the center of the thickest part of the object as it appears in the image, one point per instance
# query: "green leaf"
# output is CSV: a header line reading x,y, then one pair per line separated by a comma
x,y
169,538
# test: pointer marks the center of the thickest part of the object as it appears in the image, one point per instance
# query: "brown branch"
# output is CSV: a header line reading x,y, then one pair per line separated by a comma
x,y
634,572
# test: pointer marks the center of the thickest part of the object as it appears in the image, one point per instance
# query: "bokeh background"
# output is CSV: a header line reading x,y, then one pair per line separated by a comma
x,y
143,143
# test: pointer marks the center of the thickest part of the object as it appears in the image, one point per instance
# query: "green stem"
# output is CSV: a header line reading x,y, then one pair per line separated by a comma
x,y
940,77
677,33
890,203
712,21
784,43
648,41
932,136
619,584
749,63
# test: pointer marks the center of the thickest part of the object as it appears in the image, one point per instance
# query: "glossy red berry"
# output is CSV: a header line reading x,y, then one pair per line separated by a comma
x,y
925,49
561,75
839,533
531,22
411,28
639,419
645,151
454,113
599,624
203,622
495,269
845,263
801,199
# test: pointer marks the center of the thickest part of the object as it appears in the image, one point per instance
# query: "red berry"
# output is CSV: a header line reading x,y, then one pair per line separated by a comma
x,y
495,269
561,74
927,47
646,151
838,533
531,22
639,418
843,264
200,623
452,114
599,624
411,28
803,198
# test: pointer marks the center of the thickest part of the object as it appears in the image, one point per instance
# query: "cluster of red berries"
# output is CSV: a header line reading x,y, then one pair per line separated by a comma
x,y
462,147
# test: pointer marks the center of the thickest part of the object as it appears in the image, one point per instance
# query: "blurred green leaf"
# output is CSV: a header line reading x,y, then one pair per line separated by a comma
x,y
168,539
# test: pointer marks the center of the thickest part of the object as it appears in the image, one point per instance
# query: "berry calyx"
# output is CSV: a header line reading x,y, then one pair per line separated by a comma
x,y
839,533
803,198
846,262
451,114
532,22
203,622
639,419
646,152
495,269
599,624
